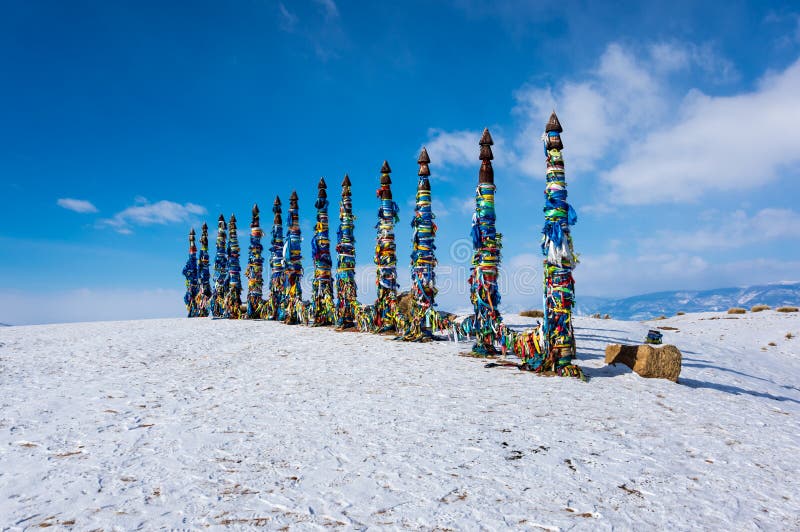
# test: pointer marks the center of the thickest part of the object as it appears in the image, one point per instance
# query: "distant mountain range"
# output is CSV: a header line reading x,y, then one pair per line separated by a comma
x,y
648,306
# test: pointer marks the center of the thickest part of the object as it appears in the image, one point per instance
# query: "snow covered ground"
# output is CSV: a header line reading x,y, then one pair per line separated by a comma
x,y
194,423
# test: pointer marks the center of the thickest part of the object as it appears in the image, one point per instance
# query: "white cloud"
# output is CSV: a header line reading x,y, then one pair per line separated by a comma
x,y
146,213
715,145
461,148
617,275
732,231
582,111
653,144
452,148
633,122
76,205
624,105
623,94
687,260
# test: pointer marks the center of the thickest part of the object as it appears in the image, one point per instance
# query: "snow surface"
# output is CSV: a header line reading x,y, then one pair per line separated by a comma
x,y
191,423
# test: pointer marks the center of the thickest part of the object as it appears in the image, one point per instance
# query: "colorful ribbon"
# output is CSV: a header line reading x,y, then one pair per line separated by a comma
x,y
347,306
190,273
424,318
293,267
233,298
322,306
220,270
560,259
275,309
486,244
385,312
255,267
204,293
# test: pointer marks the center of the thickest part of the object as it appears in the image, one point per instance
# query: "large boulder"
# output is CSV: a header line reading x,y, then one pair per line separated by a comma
x,y
662,362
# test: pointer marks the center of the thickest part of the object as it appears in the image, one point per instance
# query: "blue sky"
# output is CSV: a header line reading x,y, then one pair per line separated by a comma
x,y
682,137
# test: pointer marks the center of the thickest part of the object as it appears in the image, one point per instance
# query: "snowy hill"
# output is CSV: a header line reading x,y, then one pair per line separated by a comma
x,y
648,306
187,424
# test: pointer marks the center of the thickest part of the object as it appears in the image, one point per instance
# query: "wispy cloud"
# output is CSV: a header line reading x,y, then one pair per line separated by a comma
x,y
732,231
76,205
452,148
710,147
685,147
687,144
145,213
670,56
689,258
439,208
329,6
323,31
785,26
610,274
465,205
288,20
460,148
624,91
516,16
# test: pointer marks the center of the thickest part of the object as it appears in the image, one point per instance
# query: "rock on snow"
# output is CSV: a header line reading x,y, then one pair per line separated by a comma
x,y
189,423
